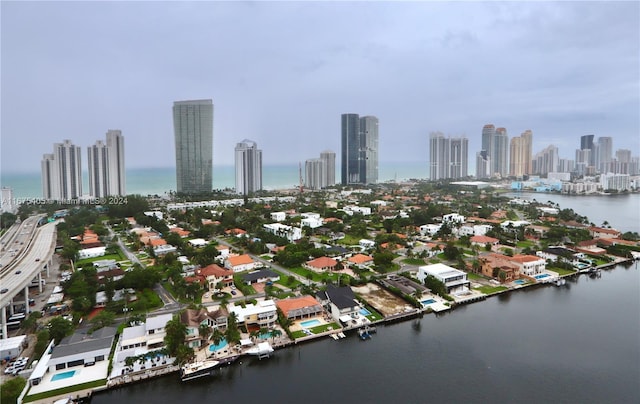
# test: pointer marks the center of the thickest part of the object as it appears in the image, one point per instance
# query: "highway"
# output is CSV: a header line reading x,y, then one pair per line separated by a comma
x,y
20,267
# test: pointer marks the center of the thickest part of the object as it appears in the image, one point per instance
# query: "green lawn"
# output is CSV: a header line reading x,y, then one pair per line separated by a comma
x,y
117,257
318,277
474,277
349,240
488,290
561,271
413,261
64,390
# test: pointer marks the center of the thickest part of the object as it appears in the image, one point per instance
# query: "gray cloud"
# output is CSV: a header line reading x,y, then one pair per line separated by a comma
x,y
282,73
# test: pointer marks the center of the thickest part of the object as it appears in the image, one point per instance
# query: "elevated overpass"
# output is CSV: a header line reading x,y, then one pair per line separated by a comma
x,y
21,267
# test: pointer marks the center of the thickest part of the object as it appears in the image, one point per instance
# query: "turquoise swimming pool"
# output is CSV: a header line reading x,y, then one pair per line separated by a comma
x,y
63,375
365,312
428,301
519,281
216,347
310,323
542,276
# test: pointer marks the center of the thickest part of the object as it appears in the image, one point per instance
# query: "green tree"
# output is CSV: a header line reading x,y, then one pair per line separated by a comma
x,y
31,322
59,328
204,331
103,319
175,335
11,390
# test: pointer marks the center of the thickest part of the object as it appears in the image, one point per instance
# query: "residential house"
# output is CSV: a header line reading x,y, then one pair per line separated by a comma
x,y
289,232
312,220
215,276
600,232
263,314
341,303
321,264
260,276
278,216
360,260
240,263
193,319
300,307
142,338
530,265
560,254
482,241
454,280
82,348
492,265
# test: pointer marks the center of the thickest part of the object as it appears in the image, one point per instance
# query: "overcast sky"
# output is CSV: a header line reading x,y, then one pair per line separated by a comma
x,y
281,73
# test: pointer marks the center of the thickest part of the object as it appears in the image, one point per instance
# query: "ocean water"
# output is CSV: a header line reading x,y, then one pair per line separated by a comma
x,y
161,180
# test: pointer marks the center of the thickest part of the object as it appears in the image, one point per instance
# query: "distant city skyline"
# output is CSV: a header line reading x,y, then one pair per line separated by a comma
x,y
359,149
534,67
106,168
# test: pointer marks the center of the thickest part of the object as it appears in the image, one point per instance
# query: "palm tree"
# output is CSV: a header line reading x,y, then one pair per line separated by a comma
x,y
217,336
254,335
204,330
275,333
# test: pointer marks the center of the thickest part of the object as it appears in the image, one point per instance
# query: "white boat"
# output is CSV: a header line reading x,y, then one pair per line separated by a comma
x,y
198,369
262,350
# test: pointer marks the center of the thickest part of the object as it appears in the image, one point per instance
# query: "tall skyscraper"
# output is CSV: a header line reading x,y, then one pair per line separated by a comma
x,y
488,132
604,154
193,128
369,139
329,159
448,157
106,166
359,149
546,161
248,167
483,164
62,172
586,143
520,154
315,173
321,172
459,157
500,153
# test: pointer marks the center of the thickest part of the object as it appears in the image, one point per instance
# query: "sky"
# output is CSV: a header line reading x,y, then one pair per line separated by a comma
x,y
282,73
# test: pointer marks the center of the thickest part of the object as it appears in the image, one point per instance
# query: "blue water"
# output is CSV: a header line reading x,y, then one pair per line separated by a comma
x,y
520,281
428,301
160,180
365,312
216,347
541,276
63,375
310,323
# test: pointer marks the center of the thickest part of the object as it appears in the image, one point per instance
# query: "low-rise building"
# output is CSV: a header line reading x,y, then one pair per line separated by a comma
x,y
341,303
260,276
263,314
321,264
142,338
289,232
215,276
241,263
453,279
194,319
82,348
300,307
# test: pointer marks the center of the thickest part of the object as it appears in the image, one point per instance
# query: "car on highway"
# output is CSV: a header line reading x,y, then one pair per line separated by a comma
x,y
4,290
18,272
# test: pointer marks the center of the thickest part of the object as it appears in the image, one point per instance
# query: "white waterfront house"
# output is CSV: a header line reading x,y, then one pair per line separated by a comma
x,y
262,314
290,233
142,338
454,280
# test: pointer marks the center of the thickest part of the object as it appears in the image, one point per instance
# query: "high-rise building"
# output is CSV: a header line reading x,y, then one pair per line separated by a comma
x,y
315,173
566,165
106,166
520,154
369,140
546,161
459,157
248,167
604,154
359,149
448,157
62,172
483,164
193,128
586,143
488,132
500,153
583,165
329,158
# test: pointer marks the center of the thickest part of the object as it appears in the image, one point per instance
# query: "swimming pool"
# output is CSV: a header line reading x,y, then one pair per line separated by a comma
x,y
310,323
520,281
63,375
216,347
428,301
365,312
542,276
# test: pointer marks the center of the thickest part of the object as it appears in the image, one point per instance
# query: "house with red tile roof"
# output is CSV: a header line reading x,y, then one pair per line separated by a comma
x,y
600,232
214,275
321,264
180,231
491,265
193,319
360,259
236,232
482,241
240,263
300,307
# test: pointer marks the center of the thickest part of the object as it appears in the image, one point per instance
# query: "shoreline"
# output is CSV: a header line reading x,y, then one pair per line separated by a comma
x,y
388,321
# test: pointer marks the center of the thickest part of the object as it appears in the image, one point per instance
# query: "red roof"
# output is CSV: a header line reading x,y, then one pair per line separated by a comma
x,y
483,239
322,262
214,270
360,259
240,260
287,305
